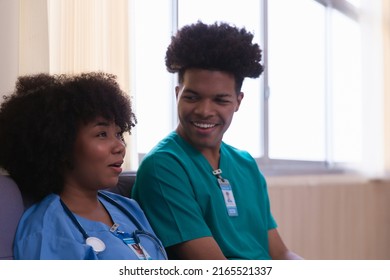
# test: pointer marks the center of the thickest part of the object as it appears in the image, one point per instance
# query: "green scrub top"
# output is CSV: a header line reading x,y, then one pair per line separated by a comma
x,y
182,199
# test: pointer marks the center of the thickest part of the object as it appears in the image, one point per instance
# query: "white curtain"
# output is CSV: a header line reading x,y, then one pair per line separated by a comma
x,y
376,121
74,36
386,74
89,35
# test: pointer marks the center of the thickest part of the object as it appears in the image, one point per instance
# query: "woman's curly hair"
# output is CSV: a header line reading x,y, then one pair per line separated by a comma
x,y
218,46
40,120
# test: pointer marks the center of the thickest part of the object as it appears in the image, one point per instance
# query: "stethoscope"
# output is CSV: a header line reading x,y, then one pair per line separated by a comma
x,y
97,244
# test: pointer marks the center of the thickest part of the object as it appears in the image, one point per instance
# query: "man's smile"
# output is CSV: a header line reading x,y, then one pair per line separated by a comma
x,y
204,125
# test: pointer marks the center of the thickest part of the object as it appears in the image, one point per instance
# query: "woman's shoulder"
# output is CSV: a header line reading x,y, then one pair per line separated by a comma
x,y
47,204
41,214
126,205
122,200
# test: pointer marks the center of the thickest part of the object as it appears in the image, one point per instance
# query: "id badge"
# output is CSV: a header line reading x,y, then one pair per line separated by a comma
x,y
228,196
137,248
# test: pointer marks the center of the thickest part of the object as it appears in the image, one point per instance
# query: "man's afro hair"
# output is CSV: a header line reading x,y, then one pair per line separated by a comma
x,y
218,46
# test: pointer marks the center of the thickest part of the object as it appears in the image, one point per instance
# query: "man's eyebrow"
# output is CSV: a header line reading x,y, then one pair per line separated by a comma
x,y
222,94
191,91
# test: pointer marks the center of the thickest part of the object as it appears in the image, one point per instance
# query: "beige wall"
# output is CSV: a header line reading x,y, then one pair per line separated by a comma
x,y
33,37
333,216
9,26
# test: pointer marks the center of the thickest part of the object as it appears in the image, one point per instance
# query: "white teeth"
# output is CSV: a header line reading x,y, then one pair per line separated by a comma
x,y
204,125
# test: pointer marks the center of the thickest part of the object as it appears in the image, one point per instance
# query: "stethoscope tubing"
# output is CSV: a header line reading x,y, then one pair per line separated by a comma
x,y
139,228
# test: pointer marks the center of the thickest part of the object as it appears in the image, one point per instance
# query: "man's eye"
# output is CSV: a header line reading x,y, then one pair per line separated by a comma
x,y
190,98
102,134
222,101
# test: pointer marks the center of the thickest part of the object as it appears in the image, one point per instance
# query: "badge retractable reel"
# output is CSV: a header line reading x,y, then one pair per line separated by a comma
x,y
227,193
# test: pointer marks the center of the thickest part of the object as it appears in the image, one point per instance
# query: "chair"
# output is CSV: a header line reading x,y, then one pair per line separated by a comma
x,y
125,183
11,209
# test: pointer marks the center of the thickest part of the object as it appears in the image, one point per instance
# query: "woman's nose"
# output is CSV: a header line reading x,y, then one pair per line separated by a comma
x,y
119,146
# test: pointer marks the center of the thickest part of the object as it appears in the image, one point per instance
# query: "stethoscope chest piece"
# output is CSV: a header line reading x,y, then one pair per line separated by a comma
x,y
97,245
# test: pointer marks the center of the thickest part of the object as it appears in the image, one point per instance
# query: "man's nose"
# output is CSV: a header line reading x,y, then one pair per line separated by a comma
x,y
204,108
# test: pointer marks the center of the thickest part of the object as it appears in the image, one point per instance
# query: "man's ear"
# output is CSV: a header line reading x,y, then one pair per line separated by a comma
x,y
177,90
240,96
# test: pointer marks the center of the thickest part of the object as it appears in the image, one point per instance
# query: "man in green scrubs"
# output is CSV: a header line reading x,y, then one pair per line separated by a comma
x,y
204,198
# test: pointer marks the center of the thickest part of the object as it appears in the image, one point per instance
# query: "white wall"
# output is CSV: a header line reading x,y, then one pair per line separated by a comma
x,y
9,34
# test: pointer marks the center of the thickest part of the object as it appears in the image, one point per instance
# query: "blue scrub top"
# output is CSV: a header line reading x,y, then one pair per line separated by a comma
x,y
45,231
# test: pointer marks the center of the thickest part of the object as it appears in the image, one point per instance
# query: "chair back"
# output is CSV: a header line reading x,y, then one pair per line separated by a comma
x,y
11,209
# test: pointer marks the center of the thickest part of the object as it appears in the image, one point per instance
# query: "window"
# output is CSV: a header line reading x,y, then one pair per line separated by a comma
x,y
296,80
314,81
152,86
304,112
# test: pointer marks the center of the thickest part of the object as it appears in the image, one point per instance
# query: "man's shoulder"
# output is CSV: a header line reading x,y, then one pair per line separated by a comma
x,y
242,159
236,152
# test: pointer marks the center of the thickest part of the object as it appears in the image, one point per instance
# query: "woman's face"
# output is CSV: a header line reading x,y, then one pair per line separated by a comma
x,y
98,154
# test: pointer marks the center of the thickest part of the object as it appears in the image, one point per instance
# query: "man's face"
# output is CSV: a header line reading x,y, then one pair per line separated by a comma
x,y
206,101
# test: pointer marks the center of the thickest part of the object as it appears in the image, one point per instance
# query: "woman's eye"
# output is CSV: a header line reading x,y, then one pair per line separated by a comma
x,y
102,134
119,135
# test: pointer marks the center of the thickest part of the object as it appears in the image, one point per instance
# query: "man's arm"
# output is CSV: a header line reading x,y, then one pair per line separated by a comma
x,y
205,248
278,249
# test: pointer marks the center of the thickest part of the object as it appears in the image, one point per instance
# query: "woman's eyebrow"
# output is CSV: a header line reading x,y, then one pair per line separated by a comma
x,y
102,123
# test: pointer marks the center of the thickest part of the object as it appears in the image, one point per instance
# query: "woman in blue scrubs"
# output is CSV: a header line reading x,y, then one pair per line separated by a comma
x,y
61,140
